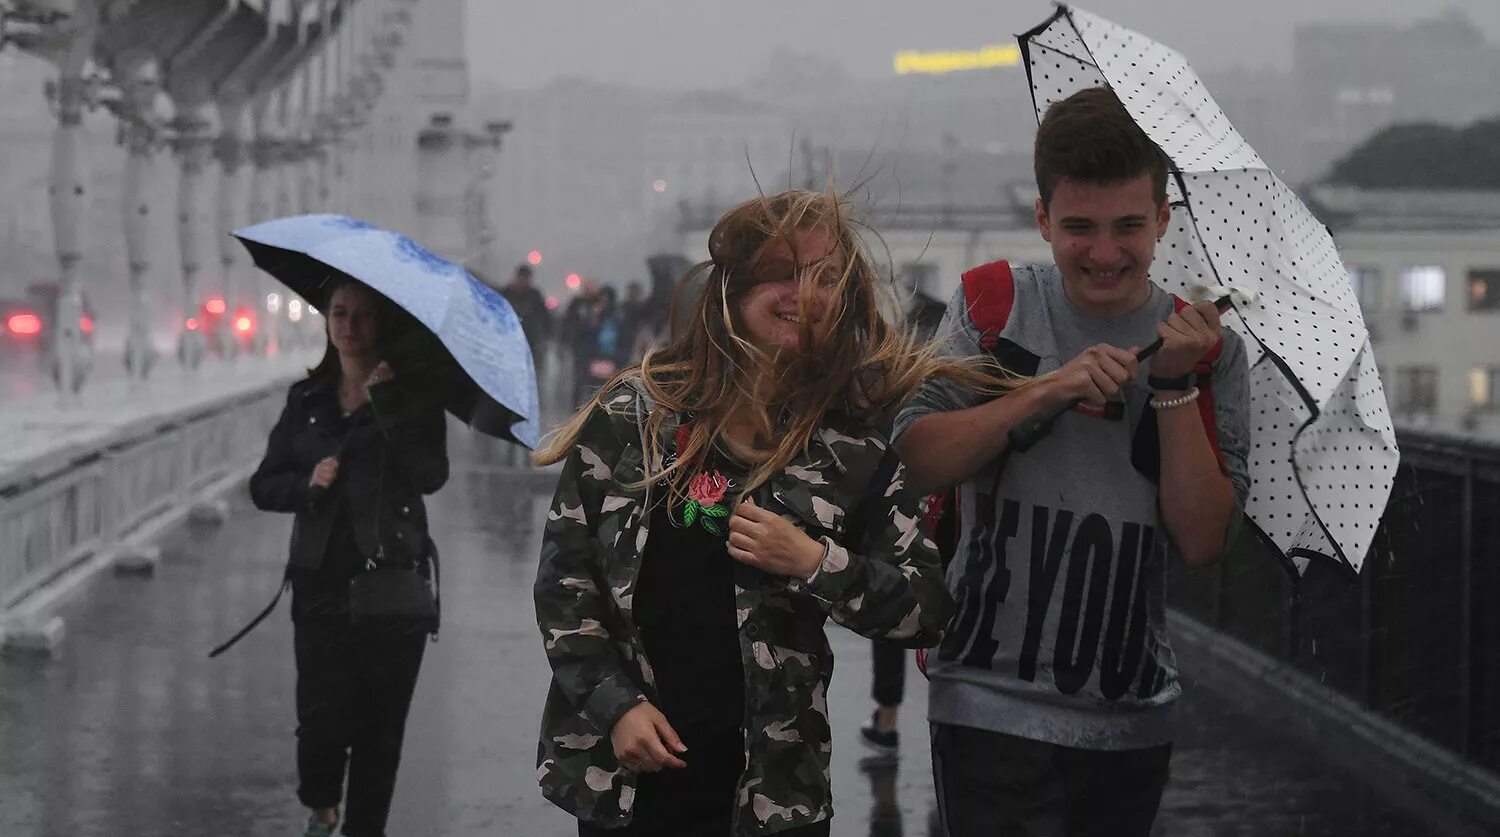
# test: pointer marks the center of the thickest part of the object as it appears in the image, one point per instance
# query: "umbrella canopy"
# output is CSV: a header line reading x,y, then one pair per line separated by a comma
x,y
473,323
1324,454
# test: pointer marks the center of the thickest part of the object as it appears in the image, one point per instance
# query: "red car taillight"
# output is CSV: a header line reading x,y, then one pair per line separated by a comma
x,y
24,325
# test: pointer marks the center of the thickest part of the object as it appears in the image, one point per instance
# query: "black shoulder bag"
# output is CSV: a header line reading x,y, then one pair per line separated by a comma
x,y
384,592
395,591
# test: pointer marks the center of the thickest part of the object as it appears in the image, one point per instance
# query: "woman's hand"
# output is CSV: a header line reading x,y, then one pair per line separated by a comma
x,y
326,472
644,742
767,541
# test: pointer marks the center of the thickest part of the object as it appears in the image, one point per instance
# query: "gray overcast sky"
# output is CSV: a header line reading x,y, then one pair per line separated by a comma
x,y
712,43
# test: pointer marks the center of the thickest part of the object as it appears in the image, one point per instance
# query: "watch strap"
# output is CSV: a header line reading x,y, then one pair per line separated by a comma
x,y
1179,384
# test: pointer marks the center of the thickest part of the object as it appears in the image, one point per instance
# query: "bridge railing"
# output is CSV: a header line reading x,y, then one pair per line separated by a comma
x,y
1415,637
52,520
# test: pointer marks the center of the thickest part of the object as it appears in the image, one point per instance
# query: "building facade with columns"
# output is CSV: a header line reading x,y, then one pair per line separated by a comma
x,y
138,134
28,252
430,78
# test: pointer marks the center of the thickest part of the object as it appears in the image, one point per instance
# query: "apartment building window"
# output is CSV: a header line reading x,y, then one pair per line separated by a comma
x,y
1484,289
1422,287
1484,387
1417,390
1366,282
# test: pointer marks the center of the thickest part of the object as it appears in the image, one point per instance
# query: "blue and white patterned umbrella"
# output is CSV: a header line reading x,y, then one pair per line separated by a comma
x,y
473,322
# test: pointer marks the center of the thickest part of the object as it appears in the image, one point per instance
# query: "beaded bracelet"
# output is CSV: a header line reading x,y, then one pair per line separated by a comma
x,y
1180,401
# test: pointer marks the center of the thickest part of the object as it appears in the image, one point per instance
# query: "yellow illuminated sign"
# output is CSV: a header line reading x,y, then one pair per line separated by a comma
x,y
910,62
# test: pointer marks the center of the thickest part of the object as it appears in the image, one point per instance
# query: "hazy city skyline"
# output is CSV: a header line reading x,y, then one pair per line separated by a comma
x,y
683,43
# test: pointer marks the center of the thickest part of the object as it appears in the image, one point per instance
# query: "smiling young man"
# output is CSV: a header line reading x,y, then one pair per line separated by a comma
x,y
1051,696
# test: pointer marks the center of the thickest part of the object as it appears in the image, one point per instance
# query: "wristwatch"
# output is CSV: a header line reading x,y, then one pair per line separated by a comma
x,y
1178,384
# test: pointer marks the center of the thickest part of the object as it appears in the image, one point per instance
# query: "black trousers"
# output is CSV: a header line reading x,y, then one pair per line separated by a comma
x,y
354,687
990,784
694,827
693,801
888,679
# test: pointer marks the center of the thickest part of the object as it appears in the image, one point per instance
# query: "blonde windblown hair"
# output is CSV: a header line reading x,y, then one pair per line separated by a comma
x,y
850,361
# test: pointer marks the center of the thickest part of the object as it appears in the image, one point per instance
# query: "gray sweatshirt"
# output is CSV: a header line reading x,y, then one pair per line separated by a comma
x,y
1059,575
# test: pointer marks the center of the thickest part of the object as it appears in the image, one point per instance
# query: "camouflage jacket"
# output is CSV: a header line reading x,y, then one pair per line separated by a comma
x,y
888,585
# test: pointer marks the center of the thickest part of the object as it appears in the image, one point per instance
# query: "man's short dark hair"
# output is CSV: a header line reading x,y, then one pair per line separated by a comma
x,y
524,270
1090,137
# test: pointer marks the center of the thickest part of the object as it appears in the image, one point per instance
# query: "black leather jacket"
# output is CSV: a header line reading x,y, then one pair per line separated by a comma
x,y
395,451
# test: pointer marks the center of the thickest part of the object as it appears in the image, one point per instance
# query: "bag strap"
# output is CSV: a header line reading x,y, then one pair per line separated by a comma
x,y
286,582
432,553
437,588
990,294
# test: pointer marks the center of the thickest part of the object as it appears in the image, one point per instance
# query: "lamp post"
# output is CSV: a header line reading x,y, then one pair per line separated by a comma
x,y
483,158
141,134
229,151
66,35
193,142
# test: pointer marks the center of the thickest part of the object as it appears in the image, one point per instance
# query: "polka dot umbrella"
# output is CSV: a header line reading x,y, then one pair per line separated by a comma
x,y
1323,454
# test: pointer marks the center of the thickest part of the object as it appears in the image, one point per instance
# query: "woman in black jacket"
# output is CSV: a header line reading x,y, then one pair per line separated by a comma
x,y
354,474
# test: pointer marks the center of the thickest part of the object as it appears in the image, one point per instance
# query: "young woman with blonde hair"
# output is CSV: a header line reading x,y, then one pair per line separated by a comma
x,y
717,504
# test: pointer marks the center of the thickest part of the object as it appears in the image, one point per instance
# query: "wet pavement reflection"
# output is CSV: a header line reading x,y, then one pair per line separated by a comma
x,y
135,732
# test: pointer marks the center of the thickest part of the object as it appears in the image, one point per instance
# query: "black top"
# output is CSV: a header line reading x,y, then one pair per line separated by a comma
x,y
342,559
391,453
685,609
325,591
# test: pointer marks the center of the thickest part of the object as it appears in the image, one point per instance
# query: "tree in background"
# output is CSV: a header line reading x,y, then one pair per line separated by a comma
x,y
1425,156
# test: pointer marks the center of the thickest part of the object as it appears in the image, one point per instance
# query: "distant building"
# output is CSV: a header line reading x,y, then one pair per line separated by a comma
x,y
573,181
27,251
1426,270
431,78
1354,79
989,110
712,147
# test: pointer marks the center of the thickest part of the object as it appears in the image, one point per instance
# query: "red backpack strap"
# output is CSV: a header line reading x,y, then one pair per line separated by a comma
x,y
1204,370
990,293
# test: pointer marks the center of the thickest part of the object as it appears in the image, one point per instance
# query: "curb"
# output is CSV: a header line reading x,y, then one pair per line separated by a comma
x,y
1431,782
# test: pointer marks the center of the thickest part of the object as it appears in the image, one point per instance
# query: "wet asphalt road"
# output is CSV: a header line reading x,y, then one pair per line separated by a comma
x,y
135,732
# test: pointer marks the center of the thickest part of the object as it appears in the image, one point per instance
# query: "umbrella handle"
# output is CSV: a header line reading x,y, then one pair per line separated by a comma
x,y
1034,427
